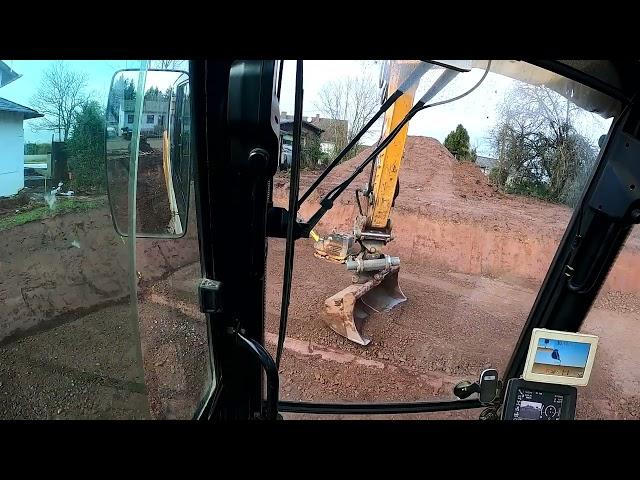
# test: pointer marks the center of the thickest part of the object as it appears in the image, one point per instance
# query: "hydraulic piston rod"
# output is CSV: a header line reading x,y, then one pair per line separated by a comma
x,y
372,265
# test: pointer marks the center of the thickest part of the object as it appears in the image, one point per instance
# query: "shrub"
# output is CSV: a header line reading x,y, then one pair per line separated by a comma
x,y
312,154
457,142
86,150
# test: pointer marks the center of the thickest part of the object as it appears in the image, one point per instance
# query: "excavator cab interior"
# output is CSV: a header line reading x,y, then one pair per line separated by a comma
x,y
392,263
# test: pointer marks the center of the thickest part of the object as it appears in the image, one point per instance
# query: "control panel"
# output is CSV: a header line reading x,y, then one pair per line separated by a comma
x,y
527,400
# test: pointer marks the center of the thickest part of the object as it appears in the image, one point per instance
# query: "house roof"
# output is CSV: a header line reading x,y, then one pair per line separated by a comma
x,y
7,75
486,162
327,125
330,126
287,125
9,106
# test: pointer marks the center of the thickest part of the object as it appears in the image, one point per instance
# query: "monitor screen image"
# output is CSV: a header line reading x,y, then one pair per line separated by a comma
x,y
561,357
529,410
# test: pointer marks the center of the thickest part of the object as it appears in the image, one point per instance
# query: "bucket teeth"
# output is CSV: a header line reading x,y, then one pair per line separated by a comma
x,y
348,310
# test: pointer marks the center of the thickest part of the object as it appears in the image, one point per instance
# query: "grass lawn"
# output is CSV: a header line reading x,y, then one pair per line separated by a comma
x,y
61,207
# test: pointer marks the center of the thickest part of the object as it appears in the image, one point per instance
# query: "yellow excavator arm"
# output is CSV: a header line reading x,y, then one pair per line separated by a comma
x,y
314,235
375,275
380,194
387,166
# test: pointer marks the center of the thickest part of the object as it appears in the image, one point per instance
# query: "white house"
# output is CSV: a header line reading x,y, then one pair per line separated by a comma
x,y
154,116
12,115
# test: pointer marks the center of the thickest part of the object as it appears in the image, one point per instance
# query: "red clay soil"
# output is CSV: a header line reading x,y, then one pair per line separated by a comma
x,y
452,327
435,184
457,320
447,213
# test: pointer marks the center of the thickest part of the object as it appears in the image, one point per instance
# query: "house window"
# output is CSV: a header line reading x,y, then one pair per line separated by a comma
x,y
160,119
150,118
130,118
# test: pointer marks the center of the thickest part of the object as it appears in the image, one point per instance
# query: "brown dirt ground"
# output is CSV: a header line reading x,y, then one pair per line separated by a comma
x,y
448,214
435,184
455,322
9,205
67,345
152,215
452,326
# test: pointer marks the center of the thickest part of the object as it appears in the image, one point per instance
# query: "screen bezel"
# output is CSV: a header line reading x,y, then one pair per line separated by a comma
x,y
537,334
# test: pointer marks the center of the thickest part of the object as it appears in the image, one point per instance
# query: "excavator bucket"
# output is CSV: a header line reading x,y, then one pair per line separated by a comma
x,y
347,310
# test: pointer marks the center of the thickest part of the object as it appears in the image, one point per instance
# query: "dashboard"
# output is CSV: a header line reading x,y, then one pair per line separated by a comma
x,y
526,400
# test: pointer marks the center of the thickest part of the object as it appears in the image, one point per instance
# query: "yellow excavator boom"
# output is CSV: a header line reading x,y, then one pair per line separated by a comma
x,y
387,166
314,235
375,281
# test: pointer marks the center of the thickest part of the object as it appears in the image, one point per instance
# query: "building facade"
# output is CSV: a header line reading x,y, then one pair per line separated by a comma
x,y
310,134
12,116
334,132
154,117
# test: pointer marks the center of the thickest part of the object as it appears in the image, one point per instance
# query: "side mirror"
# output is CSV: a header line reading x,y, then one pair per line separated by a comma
x,y
148,146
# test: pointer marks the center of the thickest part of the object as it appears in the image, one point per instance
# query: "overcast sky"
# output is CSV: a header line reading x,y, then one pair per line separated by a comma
x,y
477,111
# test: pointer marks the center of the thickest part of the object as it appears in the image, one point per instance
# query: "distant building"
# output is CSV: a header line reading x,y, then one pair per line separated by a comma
x,y
12,116
309,132
154,116
485,163
331,129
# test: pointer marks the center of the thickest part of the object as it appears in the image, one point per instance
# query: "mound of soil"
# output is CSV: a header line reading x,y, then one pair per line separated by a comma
x,y
436,185
448,212
425,159
11,204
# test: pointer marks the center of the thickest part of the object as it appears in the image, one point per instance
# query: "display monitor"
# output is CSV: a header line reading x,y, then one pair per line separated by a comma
x,y
560,357
526,400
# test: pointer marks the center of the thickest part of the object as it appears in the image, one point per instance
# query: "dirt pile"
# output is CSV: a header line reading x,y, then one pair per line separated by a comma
x,y
434,184
424,159
447,213
9,205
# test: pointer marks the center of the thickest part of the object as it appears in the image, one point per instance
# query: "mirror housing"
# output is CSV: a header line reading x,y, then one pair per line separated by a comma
x,y
148,147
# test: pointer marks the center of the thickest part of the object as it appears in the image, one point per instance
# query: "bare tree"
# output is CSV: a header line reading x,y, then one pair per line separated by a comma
x,y
354,99
538,147
59,97
167,64
539,108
